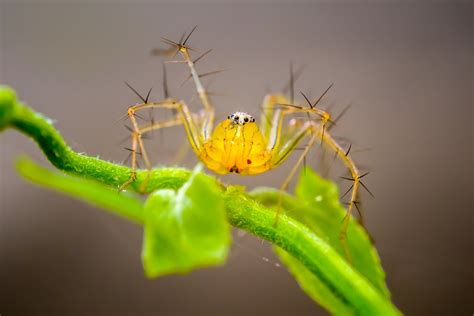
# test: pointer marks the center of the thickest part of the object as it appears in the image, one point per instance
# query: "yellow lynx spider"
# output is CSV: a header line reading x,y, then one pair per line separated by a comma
x,y
237,144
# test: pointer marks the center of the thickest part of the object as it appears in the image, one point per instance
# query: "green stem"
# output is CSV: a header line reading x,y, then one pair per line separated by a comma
x,y
317,256
40,128
243,212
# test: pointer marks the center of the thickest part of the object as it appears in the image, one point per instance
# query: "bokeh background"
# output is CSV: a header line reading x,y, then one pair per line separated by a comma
x,y
405,66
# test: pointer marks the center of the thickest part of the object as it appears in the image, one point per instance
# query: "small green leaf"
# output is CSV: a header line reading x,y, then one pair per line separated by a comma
x,y
95,193
185,230
324,212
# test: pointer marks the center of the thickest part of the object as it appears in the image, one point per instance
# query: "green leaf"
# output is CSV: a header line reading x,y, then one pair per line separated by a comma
x,y
98,194
185,230
317,206
324,212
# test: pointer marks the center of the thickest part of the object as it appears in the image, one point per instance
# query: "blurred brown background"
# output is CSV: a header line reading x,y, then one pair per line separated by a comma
x,y
406,67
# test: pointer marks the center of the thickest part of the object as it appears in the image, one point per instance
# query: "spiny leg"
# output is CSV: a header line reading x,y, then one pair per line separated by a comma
x,y
142,131
316,131
354,189
356,177
345,158
292,173
137,141
281,152
133,175
183,116
203,94
196,136
278,106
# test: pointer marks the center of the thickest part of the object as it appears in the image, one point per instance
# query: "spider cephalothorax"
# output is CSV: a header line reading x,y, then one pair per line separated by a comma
x,y
238,144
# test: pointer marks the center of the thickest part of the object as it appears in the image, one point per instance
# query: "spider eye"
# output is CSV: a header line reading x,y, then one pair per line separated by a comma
x,y
246,119
236,118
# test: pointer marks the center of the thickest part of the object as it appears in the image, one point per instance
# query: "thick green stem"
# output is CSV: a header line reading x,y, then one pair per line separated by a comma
x,y
317,256
63,157
243,212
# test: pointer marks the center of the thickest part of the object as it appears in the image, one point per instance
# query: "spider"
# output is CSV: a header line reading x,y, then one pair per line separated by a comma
x,y
238,144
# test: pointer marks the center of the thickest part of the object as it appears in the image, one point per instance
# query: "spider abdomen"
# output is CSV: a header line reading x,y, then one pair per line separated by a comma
x,y
236,147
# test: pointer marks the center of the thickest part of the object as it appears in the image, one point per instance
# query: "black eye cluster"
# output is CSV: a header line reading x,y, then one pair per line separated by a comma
x,y
241,118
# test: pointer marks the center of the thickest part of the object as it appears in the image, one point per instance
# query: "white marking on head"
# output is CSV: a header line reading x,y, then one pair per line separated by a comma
x,y
241,118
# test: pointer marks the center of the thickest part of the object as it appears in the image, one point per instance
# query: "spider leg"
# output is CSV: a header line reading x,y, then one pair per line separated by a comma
x,y
183,116
284,186
316,128
204,95
133,175
269,105
356,176
343,155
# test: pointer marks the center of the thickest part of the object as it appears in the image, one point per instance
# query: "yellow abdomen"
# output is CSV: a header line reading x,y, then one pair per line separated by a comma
x,y
236,145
